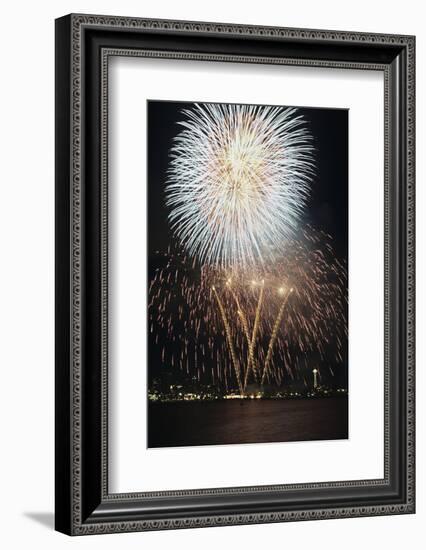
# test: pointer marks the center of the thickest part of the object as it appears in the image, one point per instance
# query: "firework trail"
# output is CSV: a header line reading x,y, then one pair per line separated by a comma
x,y
228,333
275,331
281,328
255,329
244,323
238,181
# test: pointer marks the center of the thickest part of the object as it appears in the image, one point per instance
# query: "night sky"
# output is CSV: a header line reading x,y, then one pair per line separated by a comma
x,y
327,207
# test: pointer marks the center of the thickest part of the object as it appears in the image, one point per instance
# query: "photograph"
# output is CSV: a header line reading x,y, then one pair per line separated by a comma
x,y
212,235
247,273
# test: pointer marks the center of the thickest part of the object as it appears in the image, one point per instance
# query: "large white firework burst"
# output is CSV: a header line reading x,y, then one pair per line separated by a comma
x,y
238,181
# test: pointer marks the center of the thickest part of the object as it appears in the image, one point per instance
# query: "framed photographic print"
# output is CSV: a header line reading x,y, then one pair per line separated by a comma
x,y
234,274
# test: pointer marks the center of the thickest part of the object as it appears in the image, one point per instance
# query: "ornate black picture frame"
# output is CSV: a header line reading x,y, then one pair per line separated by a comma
x,y
84,43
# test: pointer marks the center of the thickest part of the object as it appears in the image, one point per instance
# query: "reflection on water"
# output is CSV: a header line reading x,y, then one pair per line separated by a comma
x,y
252,421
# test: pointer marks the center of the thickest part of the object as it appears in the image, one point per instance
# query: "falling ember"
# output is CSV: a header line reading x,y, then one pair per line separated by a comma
x,y
239,178
253,324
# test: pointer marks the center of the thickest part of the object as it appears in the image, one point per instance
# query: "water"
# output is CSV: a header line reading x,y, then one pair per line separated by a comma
x,y
251,421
